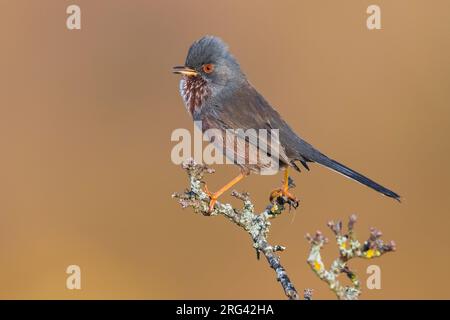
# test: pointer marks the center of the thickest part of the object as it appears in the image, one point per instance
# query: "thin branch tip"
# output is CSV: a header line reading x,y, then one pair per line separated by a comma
x,y
349,248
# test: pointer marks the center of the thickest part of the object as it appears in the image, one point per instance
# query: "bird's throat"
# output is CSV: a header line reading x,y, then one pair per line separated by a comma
x,y
194,91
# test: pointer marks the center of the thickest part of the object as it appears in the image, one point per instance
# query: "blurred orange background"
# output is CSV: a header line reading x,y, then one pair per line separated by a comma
x,y
86,117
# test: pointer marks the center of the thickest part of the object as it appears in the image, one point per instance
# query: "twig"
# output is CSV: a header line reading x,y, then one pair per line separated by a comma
x,y
349,248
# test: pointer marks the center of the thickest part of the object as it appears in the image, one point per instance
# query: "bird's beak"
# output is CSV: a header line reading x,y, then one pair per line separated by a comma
x,y
184,71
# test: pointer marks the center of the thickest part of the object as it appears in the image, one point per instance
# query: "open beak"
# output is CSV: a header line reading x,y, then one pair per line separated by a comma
x,y
184,71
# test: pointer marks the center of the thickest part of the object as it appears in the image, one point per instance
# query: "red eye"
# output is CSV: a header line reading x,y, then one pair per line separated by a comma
x,y
208,68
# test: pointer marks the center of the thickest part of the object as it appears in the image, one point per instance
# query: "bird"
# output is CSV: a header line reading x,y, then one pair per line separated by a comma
x,y
217,93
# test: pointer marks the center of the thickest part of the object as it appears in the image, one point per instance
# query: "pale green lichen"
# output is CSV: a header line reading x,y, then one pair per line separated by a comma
x,y
349,248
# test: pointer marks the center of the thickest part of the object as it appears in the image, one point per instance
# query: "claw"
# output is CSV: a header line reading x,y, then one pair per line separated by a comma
x,y
213,198
212,203
283,196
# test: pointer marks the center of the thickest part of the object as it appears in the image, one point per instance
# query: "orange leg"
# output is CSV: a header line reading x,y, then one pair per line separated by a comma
x,y
286,180
283,191
214,196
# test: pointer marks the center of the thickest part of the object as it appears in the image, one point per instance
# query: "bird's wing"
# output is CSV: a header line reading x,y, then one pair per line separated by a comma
x,y
247,109
249,113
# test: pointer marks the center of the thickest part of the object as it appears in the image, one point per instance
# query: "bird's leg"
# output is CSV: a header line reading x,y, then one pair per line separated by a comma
x,y
214,196
284,190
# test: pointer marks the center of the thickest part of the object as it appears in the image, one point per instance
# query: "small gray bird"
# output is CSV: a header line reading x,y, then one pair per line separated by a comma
x,y
217,93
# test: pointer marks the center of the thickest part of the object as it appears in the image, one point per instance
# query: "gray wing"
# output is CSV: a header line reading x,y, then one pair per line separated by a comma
x,y
247,109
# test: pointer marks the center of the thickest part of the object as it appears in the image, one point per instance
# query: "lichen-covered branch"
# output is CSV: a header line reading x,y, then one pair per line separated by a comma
x,y
257,225
349,248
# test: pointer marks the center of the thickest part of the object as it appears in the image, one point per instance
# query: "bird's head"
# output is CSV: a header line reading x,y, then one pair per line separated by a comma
x,y
209,59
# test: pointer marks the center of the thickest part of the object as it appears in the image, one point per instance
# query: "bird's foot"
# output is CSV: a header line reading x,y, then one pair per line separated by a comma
x,y
283,196
213,198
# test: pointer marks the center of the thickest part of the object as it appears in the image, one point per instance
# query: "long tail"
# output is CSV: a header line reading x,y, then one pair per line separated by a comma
x,y
338,167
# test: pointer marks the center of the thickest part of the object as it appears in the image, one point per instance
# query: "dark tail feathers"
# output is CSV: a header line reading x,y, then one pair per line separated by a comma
x,y
336,166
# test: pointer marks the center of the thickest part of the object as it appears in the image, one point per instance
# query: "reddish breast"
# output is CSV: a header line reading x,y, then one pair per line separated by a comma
x,y
194,92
